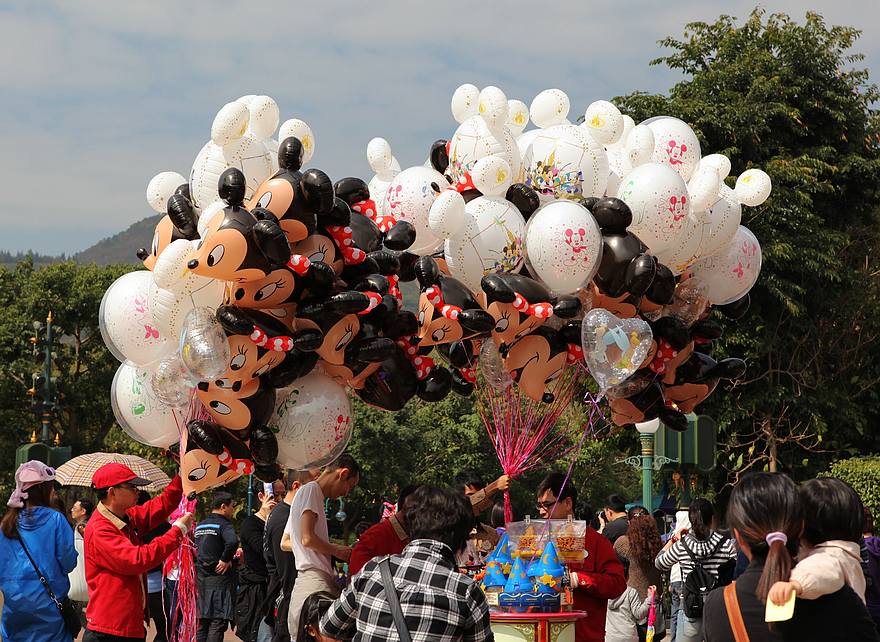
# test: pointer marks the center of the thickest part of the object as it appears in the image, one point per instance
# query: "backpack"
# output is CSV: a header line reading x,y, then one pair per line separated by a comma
x,y
698,583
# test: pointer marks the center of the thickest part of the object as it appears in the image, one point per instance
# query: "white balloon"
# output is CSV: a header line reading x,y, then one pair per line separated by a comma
x,y
732,272
491,176
549,108
517,116
564,246
564,161
313,422
473,140
230,123
446,215
675,144
658,198
493,107
640,145
465,102
263,117
379,155
704,188
604,122
679,258
300,129
409,197
753,187
161,187
126,321
208,213
489,240
719,162
138,409
722,221
248,154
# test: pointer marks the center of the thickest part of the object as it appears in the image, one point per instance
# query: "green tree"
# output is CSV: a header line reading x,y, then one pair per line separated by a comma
x,y
788,97
863,474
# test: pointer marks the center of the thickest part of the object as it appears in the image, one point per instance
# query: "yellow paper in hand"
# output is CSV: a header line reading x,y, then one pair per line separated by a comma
x,y
782,613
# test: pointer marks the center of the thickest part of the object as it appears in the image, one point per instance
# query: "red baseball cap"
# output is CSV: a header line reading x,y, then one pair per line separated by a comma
x,y
113,474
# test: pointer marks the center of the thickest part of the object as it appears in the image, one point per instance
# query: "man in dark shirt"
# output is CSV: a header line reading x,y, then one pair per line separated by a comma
x,y
280,565
253,577
216,544
615,517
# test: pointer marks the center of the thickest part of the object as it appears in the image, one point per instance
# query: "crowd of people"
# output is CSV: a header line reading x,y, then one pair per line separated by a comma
x,y
280,577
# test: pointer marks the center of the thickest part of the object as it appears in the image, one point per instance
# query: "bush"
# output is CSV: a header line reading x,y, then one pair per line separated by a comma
x,y
863,474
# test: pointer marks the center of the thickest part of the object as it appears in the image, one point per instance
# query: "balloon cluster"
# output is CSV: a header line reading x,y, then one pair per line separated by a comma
x,y
271,292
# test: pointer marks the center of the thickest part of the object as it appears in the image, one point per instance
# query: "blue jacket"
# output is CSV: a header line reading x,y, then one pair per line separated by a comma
x,y
29,615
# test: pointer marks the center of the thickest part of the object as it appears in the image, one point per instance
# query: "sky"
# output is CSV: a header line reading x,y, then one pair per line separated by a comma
x,y
100,96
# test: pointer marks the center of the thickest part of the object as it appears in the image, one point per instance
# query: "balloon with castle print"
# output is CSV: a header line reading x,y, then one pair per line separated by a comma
x,y
312,422
562,160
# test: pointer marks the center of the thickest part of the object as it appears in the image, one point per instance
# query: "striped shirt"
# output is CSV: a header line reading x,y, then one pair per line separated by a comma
x,y
711,553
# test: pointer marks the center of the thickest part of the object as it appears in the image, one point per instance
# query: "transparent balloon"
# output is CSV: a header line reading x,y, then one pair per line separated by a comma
x,y
614,348
492,367
171,382
312,422
689,302
204,348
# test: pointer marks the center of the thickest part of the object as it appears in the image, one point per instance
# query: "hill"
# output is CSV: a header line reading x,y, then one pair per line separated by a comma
x,y
120,248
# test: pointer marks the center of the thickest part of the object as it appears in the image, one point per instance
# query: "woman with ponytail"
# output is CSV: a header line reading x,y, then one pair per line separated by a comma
x,y
766,518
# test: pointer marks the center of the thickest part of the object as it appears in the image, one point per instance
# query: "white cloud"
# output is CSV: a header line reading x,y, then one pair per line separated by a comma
x,y
100,96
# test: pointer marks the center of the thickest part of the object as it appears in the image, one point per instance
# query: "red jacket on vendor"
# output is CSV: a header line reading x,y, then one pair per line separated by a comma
x,y
596,580
116,562
599,577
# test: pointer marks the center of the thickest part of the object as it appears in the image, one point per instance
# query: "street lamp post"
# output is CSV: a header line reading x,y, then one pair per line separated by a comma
x,y
647,430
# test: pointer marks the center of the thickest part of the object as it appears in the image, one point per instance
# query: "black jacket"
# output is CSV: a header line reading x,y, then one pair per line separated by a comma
x,y
281,568
215,541
839,616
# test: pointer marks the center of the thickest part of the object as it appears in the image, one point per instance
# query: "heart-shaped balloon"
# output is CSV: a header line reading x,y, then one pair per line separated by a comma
x,y
614,348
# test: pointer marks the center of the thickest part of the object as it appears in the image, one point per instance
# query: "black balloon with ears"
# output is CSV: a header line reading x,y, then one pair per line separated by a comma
x,y
626,266
735,310
662,289
524,198
370,238
649,403
180,222
698,377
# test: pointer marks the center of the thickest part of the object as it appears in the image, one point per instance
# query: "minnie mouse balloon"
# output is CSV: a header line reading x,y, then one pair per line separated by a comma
x,y
731,273
126,321
675,145
659,200
563,246
138,409
312,421
614,348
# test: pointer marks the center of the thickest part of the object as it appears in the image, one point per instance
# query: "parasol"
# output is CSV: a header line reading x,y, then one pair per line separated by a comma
x,y
79,470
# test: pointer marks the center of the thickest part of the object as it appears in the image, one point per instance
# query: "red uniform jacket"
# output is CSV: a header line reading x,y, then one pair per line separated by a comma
x,y
385,538
116,562
599,579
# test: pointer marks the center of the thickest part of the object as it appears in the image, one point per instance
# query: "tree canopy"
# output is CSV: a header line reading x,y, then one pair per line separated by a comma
x,y
789,97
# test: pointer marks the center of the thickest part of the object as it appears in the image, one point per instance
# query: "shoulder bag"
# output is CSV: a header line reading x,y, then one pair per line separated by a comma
x,y
734,615
393,601
65,607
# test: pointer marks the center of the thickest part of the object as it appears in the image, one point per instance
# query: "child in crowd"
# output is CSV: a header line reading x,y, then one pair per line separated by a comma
x,y
313,609
626,612
829,555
